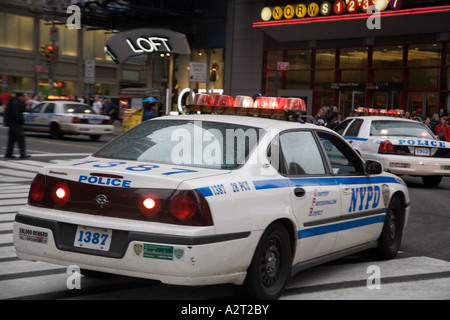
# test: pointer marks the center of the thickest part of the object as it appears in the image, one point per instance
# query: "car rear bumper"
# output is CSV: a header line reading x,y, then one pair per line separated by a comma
x,y
89,129
172,259
414,166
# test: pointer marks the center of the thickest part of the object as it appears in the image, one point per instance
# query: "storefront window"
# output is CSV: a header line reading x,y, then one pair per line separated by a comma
x,y
353,75
427,54
94,44
353,57
272,58
323,79
297,79
387,75
325,58
16,32
387,56
424,78
67,39
299,59
448,54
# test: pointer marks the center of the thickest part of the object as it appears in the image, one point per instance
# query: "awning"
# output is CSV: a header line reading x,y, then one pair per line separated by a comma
x,y
138,42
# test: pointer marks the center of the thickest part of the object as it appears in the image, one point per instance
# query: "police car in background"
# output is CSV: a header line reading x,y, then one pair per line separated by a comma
x,y
211,199
403,146
60,117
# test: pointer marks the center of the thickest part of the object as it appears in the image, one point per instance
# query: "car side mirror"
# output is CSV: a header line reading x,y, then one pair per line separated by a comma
x,y
373,167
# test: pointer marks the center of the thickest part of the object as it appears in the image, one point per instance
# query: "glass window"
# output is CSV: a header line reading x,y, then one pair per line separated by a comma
x,y
297,79
353,75
388,75
16,32
50,108
448,54
68,39
387,56
353,57
323,79
428,54
343,159
325,58
295,160
424,78
353,129
224,146
341,128
94,43
299,59
272,58
400,128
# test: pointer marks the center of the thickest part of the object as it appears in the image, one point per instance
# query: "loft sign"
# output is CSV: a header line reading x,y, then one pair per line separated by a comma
x,y
149,44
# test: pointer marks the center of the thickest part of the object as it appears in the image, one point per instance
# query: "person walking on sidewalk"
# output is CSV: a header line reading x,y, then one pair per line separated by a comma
x,y
14,120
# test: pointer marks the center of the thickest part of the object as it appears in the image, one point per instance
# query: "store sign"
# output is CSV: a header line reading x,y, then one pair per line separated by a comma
x,y
326,8
138,42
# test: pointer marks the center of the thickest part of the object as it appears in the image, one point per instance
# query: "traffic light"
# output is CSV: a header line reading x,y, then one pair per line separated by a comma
x,y
53,52
49,52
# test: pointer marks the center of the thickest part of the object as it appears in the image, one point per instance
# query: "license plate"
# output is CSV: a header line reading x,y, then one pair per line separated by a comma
x,y
95,121
422,151
93,238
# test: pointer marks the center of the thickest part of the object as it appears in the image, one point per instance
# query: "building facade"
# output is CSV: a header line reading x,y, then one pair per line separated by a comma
x,y
396,57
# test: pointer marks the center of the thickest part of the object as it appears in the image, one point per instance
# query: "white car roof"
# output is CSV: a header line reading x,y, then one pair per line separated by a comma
x,y
383,118
258,122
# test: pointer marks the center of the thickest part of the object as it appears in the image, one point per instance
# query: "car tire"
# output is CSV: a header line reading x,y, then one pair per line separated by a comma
x,y
391,236
55,131
432,181
270,267
95,137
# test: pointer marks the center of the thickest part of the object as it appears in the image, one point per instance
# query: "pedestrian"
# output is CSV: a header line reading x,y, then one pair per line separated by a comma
x,y
14,121
110,109
97,106
434,122
443,130
321,119
150,108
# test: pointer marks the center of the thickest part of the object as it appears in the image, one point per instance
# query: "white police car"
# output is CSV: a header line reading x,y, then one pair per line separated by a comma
x,y
60,117
403,146
210,199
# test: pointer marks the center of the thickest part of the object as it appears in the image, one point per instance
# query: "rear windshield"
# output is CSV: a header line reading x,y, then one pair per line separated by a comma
x,y
400,128
185,142
78,108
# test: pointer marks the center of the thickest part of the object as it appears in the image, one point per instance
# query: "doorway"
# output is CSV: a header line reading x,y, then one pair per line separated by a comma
x,y
426,103
386,100
351,100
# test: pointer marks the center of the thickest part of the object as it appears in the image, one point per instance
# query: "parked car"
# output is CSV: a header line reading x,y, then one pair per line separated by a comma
x,y
403,146
211,199
59,118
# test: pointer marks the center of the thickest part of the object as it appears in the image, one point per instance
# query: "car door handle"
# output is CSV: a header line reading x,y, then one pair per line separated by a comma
x,y
346,189
299,192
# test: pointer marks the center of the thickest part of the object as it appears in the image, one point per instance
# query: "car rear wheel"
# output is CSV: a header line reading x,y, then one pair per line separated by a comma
x,y
270,267
391,236
55,131
432,181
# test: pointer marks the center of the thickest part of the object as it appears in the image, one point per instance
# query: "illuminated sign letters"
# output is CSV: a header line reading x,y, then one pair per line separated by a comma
x,y
149,44
326,8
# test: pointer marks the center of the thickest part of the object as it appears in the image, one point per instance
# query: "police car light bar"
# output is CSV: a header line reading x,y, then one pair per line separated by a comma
x,y
277,107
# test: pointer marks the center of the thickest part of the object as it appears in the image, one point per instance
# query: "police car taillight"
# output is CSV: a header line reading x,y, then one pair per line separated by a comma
x,y
386,147
188,207
149,204
60,194
76,120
